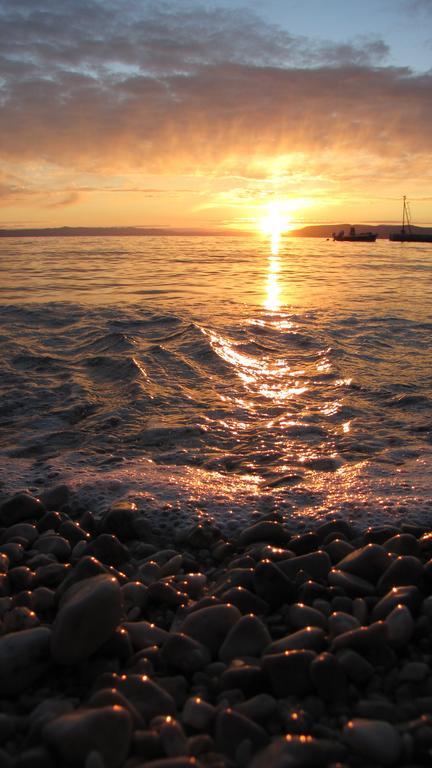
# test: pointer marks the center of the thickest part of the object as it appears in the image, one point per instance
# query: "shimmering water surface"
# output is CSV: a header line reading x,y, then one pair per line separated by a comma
x,y
209,376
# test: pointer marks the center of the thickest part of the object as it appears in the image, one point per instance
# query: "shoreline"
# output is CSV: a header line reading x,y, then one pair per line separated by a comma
x,y
274,648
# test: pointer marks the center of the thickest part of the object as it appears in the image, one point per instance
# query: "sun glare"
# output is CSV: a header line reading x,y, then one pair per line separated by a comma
x,y
275,221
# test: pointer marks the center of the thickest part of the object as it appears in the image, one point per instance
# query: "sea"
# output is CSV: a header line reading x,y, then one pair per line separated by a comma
x,y
211,379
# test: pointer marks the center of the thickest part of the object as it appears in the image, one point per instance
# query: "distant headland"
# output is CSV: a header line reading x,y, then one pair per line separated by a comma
x,y
316,230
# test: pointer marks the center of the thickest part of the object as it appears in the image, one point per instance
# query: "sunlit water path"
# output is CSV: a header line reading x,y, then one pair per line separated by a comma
x,y
212,376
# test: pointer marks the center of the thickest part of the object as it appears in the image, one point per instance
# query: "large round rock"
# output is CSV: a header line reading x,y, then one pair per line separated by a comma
x,y
211,625
89,612
24,657
106,730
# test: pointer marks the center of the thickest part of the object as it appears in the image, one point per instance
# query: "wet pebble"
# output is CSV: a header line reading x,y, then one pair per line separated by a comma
x,y
374,740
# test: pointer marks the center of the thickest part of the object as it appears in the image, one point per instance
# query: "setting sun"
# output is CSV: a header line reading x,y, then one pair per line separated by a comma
x,y
276,220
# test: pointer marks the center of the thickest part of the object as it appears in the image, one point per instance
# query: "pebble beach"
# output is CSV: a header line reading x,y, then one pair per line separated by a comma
x,y
272,649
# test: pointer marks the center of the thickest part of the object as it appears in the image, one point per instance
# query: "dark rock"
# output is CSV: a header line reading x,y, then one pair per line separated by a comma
x,y
248,637
403,544
232,729
50,521
24,658
245,600
337,550
55,498
300,752
89,613
149,698
289,672
357,669
403,571
374,740
20,507
107,730
120,521
301,616
407,595
329,678
73,532
184,653
108,549
304,543
352,585
310,638
144,634
366,639
248,678
368,563
53,544
272,585
210,626
400,626
316,564
265,530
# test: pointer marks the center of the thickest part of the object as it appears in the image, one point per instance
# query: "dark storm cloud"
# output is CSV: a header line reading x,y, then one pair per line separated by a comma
x,y
179,87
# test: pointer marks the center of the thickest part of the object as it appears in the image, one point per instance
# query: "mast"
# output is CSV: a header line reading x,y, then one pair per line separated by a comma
x,y
406,218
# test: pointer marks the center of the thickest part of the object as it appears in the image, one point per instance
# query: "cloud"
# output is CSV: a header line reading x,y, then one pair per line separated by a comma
x,y
173,87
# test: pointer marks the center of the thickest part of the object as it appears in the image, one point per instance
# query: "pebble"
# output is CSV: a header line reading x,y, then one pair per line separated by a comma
x,y
366,639
184,653
232,729
89,613
374,740
198,713
211,625
352,585
356,667
340,622
316,564
406,595
400,626
368,562
149,698
289,672
329,678
272,585
265,530
414,672
120,520
248,637
107,730
301,616
403,544
20,507
24,658
310,638
403,571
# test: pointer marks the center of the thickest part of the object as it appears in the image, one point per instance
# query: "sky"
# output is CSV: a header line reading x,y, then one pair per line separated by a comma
x,y
203,114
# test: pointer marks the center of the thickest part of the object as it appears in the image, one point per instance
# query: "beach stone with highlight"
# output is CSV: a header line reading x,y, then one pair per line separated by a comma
x,y
374,740
73,736
211,625
265,530
184,653
233,728
20,507
89,613
289,672
248,637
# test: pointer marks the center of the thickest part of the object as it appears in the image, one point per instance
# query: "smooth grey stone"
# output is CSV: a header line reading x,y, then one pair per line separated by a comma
x,y
135,595
406,595
374,740
20,618
245,601
198,713
300,751
336,526
248,678
414,672
366,639
316,564
24,658
368,562
109,697
403,571
400,626
357,669
310,638
120,521
89,613
54,498
340,622
304,543
272,585
53,544
260,708
173,739
301,616
352,585
338,549
107,730
73,532
184,653
149,698
289,672
25,531
20,507
211,625
403,544
376,709
265,530
143,634
329,678
248,637
108,549
233,728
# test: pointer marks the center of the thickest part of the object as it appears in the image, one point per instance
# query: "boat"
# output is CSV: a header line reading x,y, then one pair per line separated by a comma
x,y
355,237
406,234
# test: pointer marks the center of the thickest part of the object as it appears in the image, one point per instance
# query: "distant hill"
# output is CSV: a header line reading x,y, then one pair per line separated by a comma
x,y
118,232
326,230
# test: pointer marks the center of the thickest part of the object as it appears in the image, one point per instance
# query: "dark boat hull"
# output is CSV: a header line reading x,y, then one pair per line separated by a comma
x,y
355,238
405,237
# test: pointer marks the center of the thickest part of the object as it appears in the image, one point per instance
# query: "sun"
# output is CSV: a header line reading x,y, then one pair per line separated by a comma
x,y
274,222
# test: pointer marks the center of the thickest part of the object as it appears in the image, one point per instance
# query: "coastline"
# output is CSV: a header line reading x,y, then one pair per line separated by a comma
x,y
304,649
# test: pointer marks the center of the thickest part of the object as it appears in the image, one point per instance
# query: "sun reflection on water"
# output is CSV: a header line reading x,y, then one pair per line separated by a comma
x,y
272,300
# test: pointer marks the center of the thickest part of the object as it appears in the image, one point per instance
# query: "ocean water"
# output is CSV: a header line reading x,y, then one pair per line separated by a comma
x,y
207,378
